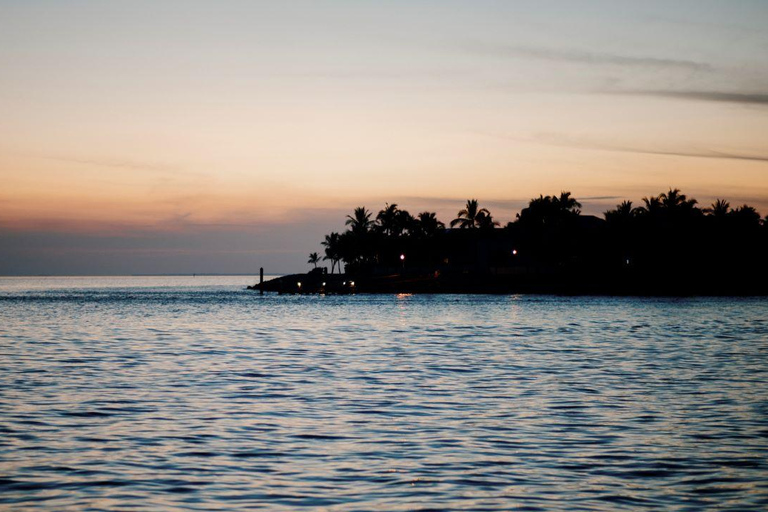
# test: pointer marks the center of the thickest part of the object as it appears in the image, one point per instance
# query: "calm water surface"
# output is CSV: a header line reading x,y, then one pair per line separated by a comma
x,y
193,394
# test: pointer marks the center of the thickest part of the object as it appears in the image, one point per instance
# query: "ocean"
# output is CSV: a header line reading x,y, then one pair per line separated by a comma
x,y
192,393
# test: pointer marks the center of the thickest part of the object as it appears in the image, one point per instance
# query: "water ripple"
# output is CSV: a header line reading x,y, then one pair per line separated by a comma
x,y
176,396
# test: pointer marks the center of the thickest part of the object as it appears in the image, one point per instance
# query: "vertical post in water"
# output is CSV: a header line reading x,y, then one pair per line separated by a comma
x,y
261,281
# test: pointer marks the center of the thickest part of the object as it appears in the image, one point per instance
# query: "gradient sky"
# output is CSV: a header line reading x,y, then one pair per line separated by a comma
x,y
187,136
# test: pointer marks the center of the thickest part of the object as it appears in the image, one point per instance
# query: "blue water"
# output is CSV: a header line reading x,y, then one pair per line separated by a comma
x,y
185,393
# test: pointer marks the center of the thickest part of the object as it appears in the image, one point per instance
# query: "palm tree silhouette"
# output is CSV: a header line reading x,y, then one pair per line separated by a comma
x,y
546,210
404,223
485,220
467,217
674,200
719,209
622,210
360,221
332,245
667,235
623,213
387,218
314,259
427,224
746,216
652,206
567,204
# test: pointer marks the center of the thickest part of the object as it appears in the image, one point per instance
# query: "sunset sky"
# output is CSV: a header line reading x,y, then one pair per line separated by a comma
x,y
188,136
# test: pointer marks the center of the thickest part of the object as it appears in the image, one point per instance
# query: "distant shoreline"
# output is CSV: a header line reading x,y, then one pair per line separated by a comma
x,y
196,275
668,246
252,274
490,284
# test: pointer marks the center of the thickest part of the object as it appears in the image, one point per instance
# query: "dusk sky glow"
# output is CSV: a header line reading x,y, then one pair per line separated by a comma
x,y
181,137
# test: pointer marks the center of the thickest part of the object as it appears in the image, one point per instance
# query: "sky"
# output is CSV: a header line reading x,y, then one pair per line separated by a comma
x,y
223,136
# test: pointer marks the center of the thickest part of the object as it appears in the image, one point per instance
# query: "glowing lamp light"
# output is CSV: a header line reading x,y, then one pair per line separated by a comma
x,y
402,257
351,283
323,283
298,284
514,252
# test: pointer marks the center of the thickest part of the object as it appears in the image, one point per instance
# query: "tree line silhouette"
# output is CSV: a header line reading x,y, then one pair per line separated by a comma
x,y
667,242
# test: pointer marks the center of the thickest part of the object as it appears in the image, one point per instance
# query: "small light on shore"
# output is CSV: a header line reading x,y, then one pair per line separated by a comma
x,y
402,257
344,283
323,283
514,252
298,284
351,283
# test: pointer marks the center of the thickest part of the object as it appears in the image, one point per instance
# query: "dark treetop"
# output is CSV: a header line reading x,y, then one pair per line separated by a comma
x,y
666,245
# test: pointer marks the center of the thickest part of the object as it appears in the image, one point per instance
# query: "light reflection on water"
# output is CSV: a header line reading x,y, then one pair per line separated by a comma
x,y
165,393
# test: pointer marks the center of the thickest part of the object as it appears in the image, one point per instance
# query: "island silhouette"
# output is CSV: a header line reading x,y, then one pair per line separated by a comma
x,y
667,245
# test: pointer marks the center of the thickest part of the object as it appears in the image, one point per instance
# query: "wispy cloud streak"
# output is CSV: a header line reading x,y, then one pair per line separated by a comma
x,y
585,57
571,142
126,164
716,96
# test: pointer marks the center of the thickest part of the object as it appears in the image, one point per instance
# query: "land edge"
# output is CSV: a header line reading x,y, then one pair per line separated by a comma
x,y
500,284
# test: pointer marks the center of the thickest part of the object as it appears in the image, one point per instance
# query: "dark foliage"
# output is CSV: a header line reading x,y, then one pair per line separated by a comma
x,y
668,245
